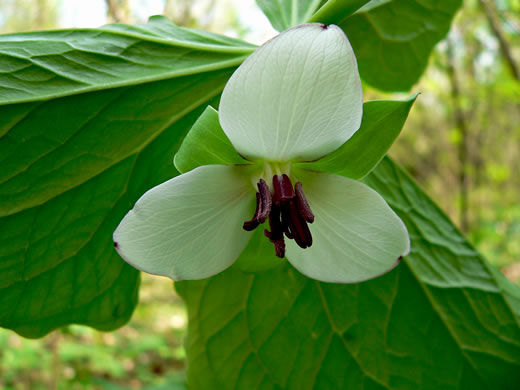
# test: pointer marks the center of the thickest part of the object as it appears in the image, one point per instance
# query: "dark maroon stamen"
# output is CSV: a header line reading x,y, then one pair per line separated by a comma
x,y
298,227
265,201
279,248
276,233
263,207
285,222
282,189
288,212
275,224
253,222
303,206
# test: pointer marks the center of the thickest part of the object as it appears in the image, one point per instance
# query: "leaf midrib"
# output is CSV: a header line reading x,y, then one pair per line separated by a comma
x,y
126,83
214,47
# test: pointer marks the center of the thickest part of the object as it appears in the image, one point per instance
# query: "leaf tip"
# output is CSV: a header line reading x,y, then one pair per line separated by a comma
x,y
177,164
414,97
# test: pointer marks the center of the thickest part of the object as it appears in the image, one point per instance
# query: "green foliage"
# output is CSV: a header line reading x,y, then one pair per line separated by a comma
x,y
263,329
284,14
489,99
91,119
206,144
443,318
393,40
382,123
257,256
149,350
72,166
175,383
337,11
64,62
498,234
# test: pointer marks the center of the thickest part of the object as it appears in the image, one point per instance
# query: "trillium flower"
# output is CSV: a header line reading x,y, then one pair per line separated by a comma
x,y
296,99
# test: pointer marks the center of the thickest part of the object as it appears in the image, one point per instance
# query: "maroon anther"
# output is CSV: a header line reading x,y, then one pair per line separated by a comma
x,y
303,206
285,223
282,189
288,212
298,226
263,207
276,233
279,248
265,201
253,222
275,224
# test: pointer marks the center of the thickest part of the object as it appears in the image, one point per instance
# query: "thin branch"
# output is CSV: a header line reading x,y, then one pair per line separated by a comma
x,y
114,12
496,27
460,122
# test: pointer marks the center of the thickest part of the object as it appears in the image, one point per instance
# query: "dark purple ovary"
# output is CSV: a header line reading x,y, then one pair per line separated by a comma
x,y
288,211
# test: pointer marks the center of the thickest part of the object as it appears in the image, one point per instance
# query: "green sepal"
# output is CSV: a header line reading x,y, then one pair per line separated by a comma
x,y
259,254
382,122
284,14
206,144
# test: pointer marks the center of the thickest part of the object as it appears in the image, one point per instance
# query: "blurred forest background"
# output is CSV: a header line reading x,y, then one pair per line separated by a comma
x,y
461,143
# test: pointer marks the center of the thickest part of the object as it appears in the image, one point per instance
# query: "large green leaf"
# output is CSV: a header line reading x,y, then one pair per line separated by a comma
x,y
392,39
58,63
443,319
73,165
284,14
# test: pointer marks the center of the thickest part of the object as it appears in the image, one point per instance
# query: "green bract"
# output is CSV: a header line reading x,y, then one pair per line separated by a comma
x,y
295,100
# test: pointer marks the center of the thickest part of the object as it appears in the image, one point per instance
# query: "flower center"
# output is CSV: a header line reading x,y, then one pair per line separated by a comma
x,y
288,212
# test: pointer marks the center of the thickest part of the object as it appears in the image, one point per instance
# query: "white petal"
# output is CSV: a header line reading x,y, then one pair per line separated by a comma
x,y
189,227
356,235
297,97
